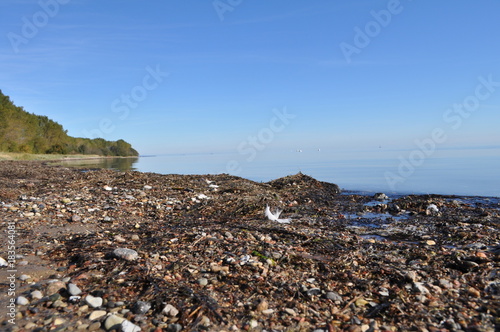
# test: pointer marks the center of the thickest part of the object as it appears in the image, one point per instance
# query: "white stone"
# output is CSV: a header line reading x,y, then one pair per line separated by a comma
x,y
21,300
3,262
170,310
36,295
420,288
92,301
268,311
128,326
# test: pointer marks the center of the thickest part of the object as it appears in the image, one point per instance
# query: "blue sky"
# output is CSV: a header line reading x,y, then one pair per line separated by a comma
x,y
204,76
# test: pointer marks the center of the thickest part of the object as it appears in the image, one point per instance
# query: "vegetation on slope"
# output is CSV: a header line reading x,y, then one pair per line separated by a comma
x,y
25,132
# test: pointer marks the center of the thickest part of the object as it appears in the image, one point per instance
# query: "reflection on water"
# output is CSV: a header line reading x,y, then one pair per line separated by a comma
x,y
120,164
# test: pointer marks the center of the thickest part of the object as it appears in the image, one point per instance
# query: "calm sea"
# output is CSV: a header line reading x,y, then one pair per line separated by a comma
x,y
397,171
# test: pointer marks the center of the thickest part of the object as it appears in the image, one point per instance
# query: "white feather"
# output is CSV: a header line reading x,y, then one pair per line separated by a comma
x,y
275,216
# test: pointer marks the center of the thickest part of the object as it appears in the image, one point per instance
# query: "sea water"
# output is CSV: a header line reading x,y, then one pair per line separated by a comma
x,y
449,172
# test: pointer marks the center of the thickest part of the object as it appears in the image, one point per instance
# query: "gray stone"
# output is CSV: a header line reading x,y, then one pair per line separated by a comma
x,y
93,301
74,290
314,291
126,254
174,328
24,277
141,307
76,218
334,296
203,281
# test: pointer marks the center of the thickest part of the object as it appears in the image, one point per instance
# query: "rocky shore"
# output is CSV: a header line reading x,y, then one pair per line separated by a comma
x,y
100,250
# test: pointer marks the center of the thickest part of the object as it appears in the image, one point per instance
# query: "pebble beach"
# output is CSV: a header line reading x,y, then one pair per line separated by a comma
x,y
103,250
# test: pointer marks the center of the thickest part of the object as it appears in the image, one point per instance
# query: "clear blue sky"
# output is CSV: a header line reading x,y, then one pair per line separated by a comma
x,y
231,63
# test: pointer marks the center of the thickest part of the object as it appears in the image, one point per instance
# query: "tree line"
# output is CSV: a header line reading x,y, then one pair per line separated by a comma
x,y
25,132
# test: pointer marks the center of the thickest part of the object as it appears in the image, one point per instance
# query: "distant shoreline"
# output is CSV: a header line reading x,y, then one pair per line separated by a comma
x,y
53,157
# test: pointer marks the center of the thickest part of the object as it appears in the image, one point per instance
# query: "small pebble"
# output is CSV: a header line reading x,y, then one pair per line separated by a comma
x,y
21,300
113,322
93,301
128,326
73,289
141,307
94,326
76,218
268,311
174,328
126,254
170,310
3,262
203,281
97,314
58,321
263,305
334,296
205,321
119,238
36,295
24,277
